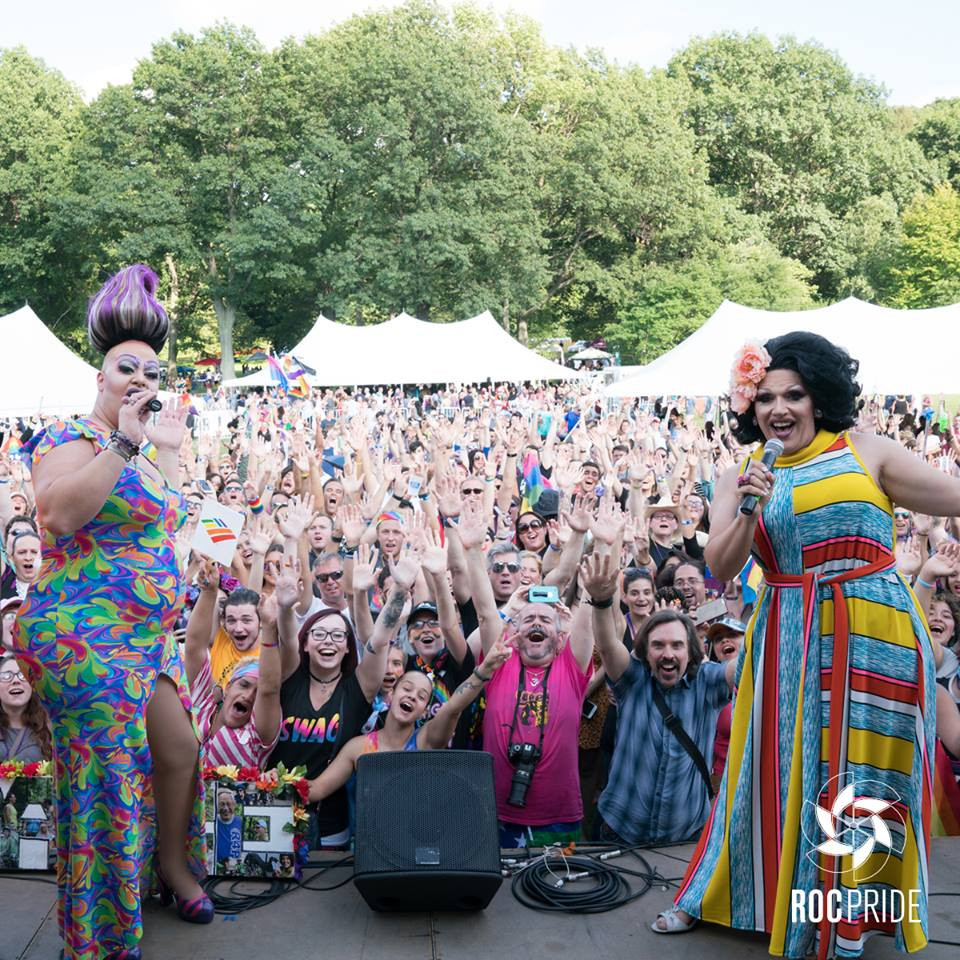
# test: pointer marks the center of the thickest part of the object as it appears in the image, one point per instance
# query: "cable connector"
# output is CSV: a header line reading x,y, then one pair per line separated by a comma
x,y
577,876
610,854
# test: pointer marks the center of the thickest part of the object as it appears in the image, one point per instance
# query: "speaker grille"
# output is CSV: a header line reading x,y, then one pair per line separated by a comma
x,y
430,810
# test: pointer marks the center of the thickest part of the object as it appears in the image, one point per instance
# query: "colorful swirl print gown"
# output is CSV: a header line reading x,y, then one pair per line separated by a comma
x,y
94,635
835,689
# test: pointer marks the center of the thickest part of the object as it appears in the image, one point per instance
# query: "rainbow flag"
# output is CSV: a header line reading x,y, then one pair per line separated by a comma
x,y
296,375
11,446
751,576
534,483
945,821
277,373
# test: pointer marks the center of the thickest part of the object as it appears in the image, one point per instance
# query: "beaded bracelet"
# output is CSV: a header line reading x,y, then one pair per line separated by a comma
x,y
123,446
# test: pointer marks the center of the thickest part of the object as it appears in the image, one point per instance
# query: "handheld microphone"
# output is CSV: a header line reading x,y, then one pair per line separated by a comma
x,y
771,450
155,406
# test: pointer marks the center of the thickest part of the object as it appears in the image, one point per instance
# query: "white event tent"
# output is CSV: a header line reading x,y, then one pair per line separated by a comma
x,y
38,373
407,350
900,351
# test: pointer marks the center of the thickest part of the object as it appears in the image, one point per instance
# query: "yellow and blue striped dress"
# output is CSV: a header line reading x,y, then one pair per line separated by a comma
x,y
835,688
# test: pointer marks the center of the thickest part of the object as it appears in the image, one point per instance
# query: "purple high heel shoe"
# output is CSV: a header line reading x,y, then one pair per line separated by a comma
x,y
198,910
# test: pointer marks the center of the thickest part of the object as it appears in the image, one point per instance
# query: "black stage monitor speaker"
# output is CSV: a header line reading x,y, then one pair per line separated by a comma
x,y
427,834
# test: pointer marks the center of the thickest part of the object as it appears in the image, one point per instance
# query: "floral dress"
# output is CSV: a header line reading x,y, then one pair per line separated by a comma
x,y
94,635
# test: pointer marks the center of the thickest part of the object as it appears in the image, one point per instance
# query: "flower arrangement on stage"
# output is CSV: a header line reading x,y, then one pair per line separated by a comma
x,y
279,784
11,769
749,368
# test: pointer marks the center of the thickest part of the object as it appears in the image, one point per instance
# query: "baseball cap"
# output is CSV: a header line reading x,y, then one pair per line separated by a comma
x,y
427,611
548,504
726,624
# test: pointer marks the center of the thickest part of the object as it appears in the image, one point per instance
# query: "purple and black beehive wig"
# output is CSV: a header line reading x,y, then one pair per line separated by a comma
x,y
126,308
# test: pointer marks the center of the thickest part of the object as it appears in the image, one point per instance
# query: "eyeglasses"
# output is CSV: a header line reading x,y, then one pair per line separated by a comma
x,y
337,636
424,623
527,527
500,567
324,577
6,676
233,488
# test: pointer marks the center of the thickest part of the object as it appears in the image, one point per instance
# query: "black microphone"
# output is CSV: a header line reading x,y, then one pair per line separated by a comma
x,y
771,450
155,406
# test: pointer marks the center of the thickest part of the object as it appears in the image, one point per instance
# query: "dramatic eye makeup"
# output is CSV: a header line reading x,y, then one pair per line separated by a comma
x,y
127,363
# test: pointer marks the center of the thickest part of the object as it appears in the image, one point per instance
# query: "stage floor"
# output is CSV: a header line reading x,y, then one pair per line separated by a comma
x,y
338,925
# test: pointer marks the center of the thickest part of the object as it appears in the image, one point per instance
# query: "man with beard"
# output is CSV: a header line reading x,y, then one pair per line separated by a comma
x,y
533,708
656,792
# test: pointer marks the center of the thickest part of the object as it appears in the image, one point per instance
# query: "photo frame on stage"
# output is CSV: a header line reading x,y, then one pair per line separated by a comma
x,y
255,829
27,817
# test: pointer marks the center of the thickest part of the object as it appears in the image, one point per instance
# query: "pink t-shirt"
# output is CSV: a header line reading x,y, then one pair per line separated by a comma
x,y
554,793
241,746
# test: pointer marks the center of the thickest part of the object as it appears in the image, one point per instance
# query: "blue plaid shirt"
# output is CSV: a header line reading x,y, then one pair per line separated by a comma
x,y
655,793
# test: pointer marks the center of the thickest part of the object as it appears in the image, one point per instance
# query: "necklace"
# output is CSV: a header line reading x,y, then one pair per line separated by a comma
x,y
313,676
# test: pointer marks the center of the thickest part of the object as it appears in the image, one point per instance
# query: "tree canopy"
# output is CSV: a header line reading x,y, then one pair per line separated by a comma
x,y
444,162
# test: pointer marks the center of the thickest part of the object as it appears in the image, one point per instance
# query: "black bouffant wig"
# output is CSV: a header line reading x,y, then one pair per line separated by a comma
x,y
828,372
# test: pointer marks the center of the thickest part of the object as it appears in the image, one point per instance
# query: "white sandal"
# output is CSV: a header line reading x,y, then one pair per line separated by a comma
x,y
673,922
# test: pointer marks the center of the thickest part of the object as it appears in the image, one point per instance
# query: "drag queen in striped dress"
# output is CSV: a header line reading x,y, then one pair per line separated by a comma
x,y
835,684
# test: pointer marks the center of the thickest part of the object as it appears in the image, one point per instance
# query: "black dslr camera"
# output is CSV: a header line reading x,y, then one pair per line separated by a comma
x,y
524,757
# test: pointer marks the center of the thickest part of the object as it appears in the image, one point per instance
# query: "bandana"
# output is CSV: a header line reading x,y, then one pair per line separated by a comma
x,y
247,667
389,515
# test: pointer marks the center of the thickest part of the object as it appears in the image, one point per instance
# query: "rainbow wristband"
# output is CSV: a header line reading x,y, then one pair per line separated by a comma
x,y
256,506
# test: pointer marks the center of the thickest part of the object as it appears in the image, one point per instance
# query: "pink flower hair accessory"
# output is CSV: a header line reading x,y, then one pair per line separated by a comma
x,y
749,368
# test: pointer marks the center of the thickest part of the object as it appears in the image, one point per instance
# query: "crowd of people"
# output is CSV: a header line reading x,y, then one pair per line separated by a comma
x,y
517,568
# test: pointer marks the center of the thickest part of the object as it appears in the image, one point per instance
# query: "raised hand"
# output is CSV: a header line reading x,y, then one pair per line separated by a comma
x,y
208,576
447,490
579,517
287,588
407,566
599,576
944,563
472,528
495,658
299,516
364,568
351,521
434,555
269,608
908,557
262,534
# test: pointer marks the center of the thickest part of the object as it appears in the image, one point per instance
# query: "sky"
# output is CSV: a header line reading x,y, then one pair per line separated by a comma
x,y
910,48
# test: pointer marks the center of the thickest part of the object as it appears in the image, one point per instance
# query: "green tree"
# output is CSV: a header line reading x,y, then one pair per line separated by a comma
x,y
426,204
799,141
937,130
925,269
664,303
216,108
39,117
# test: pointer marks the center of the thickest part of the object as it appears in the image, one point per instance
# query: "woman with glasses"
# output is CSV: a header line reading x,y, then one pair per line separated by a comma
x,y
24,725
326,694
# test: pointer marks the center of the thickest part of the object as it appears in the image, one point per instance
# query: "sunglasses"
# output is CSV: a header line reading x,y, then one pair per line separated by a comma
x,y
233,488
324,577
532,525
472,490
901,516
500,567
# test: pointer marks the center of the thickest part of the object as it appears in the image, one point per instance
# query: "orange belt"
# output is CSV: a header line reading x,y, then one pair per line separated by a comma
x,y
811,584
